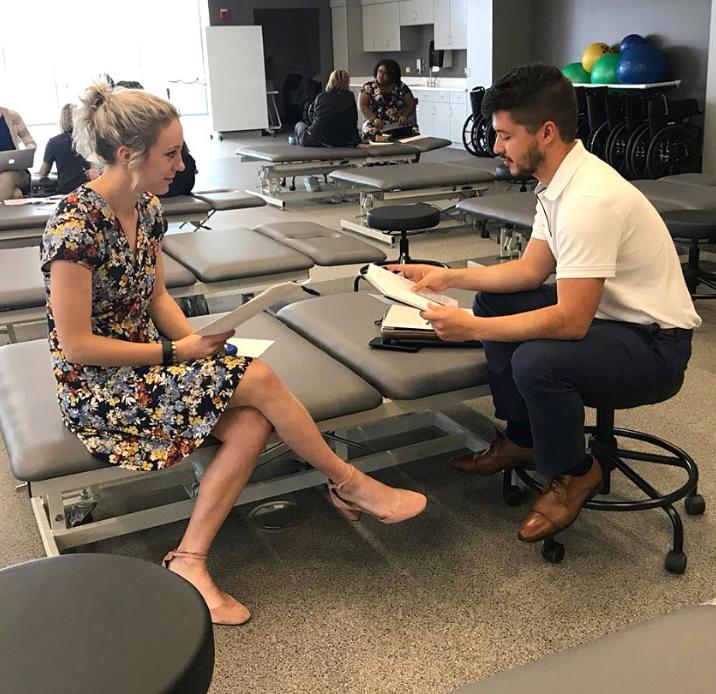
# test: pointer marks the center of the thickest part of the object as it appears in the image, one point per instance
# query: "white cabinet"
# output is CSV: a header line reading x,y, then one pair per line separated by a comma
x,y
415,12
459,110
434,112
450,18
381,28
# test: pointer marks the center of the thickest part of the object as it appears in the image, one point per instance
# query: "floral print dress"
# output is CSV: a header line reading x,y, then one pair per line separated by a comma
x,y
137,417
387,106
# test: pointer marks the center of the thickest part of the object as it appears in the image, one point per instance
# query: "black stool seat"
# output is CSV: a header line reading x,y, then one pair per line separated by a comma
x,y
102,623
659,392
691,224
403,217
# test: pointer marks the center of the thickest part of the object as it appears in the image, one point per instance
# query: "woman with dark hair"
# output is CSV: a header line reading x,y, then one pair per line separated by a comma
x,y
386,100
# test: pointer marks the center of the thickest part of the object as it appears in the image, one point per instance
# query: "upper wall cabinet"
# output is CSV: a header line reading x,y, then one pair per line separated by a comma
x,y
381,29
414,12
450,17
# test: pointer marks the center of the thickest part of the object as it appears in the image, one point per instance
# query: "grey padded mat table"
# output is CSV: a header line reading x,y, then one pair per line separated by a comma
x,y
231,254
324,246
285,153
679,195
412,176
675,653
28,216
513,208
39,446
184,205
344,324
229,200
691,179
21,284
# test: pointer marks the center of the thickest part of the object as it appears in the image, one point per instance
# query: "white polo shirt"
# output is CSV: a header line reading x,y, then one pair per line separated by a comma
x,y
599,225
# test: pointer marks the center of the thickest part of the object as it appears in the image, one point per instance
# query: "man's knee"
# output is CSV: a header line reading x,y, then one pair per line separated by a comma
x,y
487,304
533,363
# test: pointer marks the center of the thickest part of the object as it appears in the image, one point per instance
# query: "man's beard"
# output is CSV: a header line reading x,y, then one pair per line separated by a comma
x,y
531,162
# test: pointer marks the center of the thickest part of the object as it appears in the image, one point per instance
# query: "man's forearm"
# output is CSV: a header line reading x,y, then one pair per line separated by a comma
x,y
512,276
548,323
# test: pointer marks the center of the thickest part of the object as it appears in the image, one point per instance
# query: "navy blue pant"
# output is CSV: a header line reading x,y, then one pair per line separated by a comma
x,y
537,385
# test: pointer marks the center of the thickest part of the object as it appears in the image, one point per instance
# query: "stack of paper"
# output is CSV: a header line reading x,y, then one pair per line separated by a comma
x,y
399,288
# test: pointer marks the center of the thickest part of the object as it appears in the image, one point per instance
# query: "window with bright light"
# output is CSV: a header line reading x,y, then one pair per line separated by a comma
x,y
49,58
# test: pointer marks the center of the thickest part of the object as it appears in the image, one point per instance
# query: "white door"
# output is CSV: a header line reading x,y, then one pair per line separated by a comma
x,y
390,24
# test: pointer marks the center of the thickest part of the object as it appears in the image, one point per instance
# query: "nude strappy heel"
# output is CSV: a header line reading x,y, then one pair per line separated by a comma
x,y
406,504
229,613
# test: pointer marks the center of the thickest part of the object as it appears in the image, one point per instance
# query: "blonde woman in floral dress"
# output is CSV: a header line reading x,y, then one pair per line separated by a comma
x,y
134,383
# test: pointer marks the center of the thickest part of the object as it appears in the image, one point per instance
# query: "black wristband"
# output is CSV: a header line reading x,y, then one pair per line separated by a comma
x,y
167,352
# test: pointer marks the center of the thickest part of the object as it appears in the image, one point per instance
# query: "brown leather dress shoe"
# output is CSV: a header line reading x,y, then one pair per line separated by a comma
x,y
501,455
560,505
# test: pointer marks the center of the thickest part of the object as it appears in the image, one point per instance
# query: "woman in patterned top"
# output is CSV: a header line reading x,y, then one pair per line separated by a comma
x,y
385,101
137,386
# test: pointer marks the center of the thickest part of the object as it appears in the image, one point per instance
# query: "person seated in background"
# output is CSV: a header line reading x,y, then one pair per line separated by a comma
x,y
184,179
335,116
72,169
13,132
386,100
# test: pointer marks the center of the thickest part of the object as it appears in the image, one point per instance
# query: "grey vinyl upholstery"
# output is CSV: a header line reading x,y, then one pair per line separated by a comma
x,y
412,176
511,208
324,246
220,200
691,179
286,154
21,284
681,196
14,217
40,447
343,325
183,205
674,653
231,254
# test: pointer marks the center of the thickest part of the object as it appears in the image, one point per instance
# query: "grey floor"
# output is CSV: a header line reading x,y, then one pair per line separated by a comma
x,y
450,596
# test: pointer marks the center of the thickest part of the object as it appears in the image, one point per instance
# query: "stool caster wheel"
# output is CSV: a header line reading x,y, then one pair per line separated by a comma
x,y
675,562
514,496
552,551
695,505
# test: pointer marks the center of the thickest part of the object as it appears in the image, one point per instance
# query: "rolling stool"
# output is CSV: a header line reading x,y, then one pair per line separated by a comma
x,y
696,227
102,623
403,220
603,446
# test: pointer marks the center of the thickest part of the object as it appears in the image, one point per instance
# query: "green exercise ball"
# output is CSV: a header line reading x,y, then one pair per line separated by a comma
x,y
574,72
605,69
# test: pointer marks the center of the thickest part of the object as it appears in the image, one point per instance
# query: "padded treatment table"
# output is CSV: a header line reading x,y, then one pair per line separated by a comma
x,y
666,195
344,324
64,480
283,161
691,179
225,260
22,291
324,246
674,653
408,183
102,623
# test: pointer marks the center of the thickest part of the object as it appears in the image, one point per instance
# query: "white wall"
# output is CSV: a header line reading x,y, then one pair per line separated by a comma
x,y
709,165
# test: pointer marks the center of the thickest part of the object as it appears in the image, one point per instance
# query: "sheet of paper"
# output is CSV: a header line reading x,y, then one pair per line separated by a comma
x,y
249,347
250,309
406,140
405,317
399,288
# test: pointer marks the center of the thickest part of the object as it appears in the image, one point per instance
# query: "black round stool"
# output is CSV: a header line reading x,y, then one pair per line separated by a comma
x,y
696,227
503,173
403,221
605,449
102,623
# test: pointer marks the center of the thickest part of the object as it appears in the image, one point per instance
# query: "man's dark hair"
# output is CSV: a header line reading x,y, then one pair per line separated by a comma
x,y
533,94
391,67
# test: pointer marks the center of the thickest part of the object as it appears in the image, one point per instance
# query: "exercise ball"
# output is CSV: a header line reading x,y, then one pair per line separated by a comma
x,y
574,72
592,53
642,64
631,40
605,69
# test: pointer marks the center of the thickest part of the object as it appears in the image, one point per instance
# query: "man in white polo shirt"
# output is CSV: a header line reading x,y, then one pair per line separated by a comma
x,y
618,319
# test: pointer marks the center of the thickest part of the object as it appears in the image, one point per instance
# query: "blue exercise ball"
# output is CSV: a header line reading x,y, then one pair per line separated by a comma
x,y
631,40
642,64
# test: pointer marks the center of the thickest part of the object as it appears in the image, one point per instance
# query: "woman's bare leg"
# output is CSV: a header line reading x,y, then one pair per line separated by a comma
x,y
243,432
